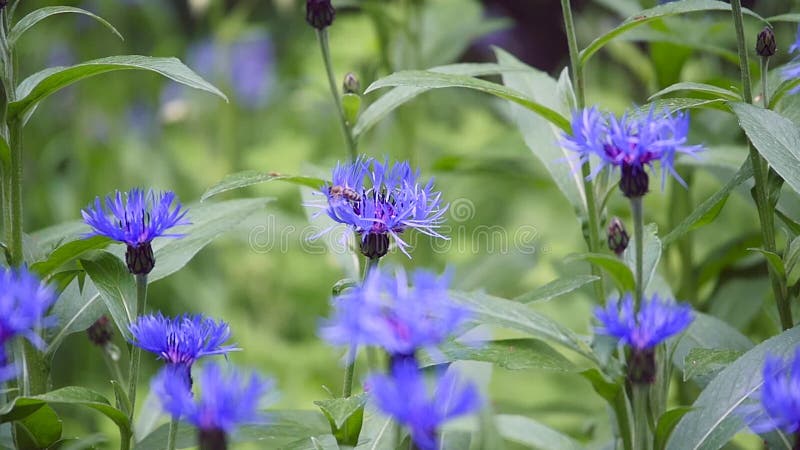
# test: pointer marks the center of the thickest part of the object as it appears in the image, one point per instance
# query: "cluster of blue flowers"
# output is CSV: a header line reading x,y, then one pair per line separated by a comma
x,y
632,143
24,301
380,201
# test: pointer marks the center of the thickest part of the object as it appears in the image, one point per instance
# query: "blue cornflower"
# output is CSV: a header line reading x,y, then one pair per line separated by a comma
x,y
381,201
404,395
386,311
633,143
792,70
24,301
779,405
228,399
656,321
136,219
182,340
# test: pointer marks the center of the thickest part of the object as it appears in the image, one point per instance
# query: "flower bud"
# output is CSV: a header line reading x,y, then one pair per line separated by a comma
x,y
320,13
634,182
351,85
140,259
375,245
212,440
617,236
642,366
100,333
765,44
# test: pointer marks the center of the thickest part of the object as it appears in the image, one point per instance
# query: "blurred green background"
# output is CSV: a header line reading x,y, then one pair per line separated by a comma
x,y
510,226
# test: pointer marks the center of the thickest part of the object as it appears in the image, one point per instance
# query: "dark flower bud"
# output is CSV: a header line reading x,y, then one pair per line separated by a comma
x,y
351,85
617,236
3,4
765,44
320,13
100,333
402,358
642,366
140,259
375,245
634,181
212,440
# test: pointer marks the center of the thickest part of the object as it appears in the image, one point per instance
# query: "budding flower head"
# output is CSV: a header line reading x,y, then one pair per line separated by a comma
x,y
778,406
351,85
765,43
320,13
617,236
100,333
632,143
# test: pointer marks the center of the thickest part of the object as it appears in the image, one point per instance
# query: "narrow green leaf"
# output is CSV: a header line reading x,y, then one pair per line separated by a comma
x,y
68,252
378,431
791,261
92,441
705,361
617,399
556,288
789,17
251,177
775,137
711,333
76,395
76,311
121,397
433,80
648,15
37,87
773,259
616,268
650,257
531,433
509,314
36,16
713,420
346,416
716,91
707,211
666,423
39,430
116,287
510,354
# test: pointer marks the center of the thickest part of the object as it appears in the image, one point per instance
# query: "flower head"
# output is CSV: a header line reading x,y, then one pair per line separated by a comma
x,y
182,340
779,406
320,13
24,301
381,201
633,143
765,42
405,396
101,331
792,70
228,399
386,311
136,218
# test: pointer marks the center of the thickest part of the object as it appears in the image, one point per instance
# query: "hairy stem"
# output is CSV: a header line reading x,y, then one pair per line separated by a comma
x,y
638,240
592,213
349,370
766,213
173,432
322,36
136,352
642,439
112,364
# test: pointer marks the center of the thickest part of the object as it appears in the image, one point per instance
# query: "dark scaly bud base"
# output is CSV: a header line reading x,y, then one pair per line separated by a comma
x,y
618,238
320,13
396,359
212,440
642,366
140,259
765,43
634,181
375,245
100,333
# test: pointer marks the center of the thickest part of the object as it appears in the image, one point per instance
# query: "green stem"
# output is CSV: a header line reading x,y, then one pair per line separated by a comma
x,y
765,81
641,432
349,370
638,240
136,352
326,58
113,365
766,213
592,213
173,432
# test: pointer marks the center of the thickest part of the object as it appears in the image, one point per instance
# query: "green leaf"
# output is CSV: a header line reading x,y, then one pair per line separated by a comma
x,y
208,222
378,431
773,259
707,211
121,397
509,314
68,252
775,137
351,106
116,287
616,268
556,288
400,95
531,433
76,311
324,442
648,15
710,333
706,361
75,395
510,354
675,104
718,92
666,423
791,261
434,80
617,399
346,416
36,16
542,137
650,257
251,177
713,420
39,86
89,442
789,17
39,430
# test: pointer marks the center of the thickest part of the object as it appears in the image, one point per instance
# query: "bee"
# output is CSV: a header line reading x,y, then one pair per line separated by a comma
x,y
337,191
